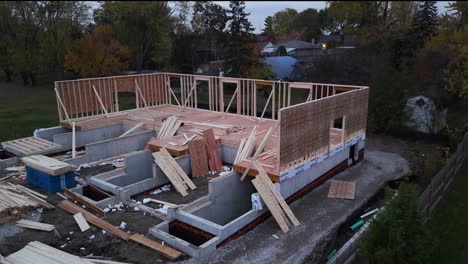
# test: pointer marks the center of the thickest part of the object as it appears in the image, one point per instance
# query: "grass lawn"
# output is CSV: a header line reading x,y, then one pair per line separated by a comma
x,y
23,109
449,225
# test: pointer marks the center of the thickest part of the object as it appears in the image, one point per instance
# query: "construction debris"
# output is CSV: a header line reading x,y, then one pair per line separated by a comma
x,y
37,252
15,199
169,127
81,221
35,225
198,157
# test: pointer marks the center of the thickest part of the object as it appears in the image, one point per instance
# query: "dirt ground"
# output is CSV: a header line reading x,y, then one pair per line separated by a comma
x,y
80,243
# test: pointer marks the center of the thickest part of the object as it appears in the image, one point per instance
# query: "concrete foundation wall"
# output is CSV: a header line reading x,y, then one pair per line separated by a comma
x,y
113,147
48,133
228,195
88,136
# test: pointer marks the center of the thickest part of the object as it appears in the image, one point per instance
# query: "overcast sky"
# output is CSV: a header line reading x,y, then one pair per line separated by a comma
x,y
259,10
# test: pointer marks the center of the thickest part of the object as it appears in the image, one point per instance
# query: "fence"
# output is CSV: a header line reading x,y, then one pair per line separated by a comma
x,y
439,184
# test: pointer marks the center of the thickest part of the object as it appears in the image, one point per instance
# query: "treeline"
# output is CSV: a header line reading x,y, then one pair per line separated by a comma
x,y
48,40
402,49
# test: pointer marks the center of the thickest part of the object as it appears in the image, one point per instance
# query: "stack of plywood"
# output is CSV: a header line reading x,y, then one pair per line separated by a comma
x,y
273,200
30,146
169,127
173,171
246,147
37,252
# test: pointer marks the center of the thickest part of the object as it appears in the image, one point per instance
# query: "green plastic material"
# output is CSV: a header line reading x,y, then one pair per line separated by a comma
x,y
357,224
331,254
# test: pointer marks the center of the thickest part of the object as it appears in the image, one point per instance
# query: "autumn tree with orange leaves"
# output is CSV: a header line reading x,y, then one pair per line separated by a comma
x,y
97,53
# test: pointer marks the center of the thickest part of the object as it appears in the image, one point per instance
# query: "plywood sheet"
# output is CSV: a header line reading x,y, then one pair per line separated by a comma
x,y
342,189
198,157
305,128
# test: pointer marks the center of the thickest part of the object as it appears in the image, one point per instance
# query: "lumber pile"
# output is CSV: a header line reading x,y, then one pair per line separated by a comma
x,y
246,146
273,200
173,171
169,127
35,225
15,199
30,146
37,252
18,172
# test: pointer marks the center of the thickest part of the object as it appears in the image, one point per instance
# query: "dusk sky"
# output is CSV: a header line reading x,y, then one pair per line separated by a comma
x,y
259,10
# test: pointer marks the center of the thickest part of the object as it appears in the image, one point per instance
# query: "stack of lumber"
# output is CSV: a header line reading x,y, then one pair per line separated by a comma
x,y
15,173
173,171
35,225
169,127
273,200
30,146
198,157
47,165
15,199
37,252
246,146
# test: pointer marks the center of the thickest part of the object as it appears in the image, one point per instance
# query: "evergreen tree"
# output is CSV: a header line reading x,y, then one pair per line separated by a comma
x,y
424,26
268,30
239,57
397,235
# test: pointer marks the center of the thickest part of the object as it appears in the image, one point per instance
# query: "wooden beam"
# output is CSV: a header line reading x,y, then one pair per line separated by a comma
x,y
164,250
74,209
100,101
61,104
137,87
73,140
77,198
131,129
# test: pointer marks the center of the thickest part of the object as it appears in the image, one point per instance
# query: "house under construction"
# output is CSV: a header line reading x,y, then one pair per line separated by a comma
x,y
261,144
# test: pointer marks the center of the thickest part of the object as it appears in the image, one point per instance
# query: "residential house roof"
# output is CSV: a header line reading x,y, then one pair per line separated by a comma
x,y
283,67
297,44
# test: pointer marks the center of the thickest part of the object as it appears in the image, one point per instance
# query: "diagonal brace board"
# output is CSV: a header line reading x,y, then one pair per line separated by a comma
x,y
264,177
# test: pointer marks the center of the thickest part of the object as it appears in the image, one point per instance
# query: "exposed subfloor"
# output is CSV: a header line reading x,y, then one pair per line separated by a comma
x,y
240,127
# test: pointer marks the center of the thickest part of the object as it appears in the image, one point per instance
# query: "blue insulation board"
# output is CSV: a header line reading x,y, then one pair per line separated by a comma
x,y
50,183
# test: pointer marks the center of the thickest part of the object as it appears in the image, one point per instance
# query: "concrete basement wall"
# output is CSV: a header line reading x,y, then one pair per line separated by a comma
x,y
48,133
230,198
113,147
88,136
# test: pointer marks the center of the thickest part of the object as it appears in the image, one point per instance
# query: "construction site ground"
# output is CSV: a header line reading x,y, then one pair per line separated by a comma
x,y
319,219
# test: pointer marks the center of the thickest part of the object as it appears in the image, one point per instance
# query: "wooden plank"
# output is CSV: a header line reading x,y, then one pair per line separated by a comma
x,y
342,189
94,220
271,203
213,154
198,157
81,221
178,169
77,198
263,176
166,251
170,174
35,225
131,130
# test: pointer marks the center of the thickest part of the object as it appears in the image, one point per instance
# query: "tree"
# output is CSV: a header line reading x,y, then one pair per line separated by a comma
x,y
239,56
208,23
283,21
7,25
397,235
424,26
142,26
282,51
311,23
268,30
97,54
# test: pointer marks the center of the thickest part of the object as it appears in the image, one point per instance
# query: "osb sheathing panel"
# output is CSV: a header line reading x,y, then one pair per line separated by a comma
x,y
305,128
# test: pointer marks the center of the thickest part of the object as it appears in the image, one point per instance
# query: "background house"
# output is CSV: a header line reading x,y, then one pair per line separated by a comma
x,y
301,50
